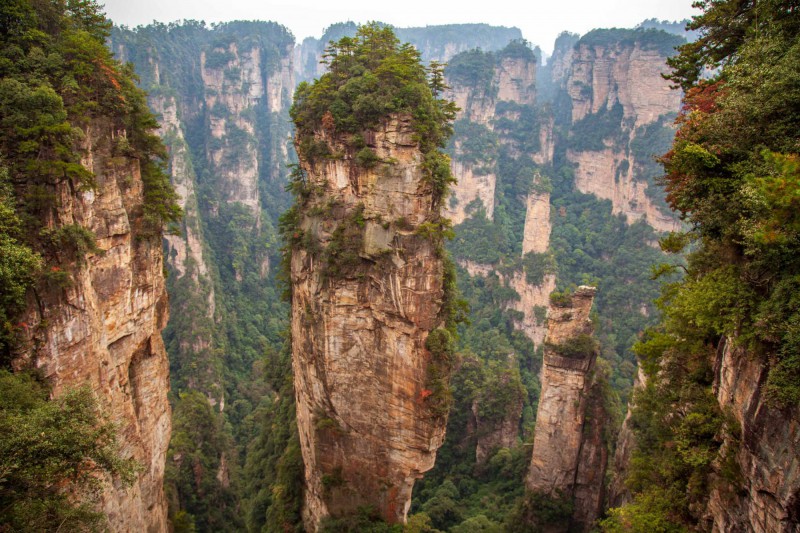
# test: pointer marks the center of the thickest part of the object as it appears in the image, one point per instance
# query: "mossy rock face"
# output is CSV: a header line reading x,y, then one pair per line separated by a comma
x,y
377,238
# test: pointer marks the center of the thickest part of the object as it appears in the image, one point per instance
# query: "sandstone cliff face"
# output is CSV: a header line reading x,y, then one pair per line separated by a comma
x,y
765,451
629,74
514,82
609,174
569,456
104,329
531,297
470,186
233,90
186,254
536,237
367,431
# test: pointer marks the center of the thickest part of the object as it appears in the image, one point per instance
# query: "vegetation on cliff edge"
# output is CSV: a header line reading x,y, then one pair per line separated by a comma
x,y
733,175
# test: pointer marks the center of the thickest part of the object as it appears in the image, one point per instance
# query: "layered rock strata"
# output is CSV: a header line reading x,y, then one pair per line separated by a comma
x,y
359,328
103,329
764,447
569,456
598,78
610,174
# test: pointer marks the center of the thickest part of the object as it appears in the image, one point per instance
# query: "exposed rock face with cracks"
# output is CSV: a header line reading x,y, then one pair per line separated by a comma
x,y
367,288
104,329
569,455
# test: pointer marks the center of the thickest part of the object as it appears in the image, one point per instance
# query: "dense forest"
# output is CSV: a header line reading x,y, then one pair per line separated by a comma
x,y
682,217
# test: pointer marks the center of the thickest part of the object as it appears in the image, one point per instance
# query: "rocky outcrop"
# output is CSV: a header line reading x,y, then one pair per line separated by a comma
x,y
363,376
185,251
103,328
515,78
620,72
234,87
533,304
533,298
610,174
569,456
627,74
536,237
471,186
765,450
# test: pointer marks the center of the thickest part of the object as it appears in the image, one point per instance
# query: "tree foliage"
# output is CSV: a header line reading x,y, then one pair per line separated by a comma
x,y
731,173
59,84
54,456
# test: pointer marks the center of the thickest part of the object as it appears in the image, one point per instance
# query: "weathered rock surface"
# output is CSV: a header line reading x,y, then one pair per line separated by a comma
x,y
104,329
765,451
536,237
232,92
471,186
366,429
532,297
628,74
609,174
569,455
516,80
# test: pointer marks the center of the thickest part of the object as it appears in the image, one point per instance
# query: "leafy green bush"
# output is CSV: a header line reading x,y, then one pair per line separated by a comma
x,y
53,455
578,347
538,510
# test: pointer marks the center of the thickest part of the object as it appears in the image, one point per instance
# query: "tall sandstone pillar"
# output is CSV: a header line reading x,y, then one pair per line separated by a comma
x,y
569,456
367,289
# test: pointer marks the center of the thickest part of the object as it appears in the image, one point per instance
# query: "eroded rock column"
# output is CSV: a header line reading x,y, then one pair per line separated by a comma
x,y
367,289
569,457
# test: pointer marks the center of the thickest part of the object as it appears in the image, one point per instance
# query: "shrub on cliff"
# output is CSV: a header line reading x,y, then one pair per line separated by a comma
x,y
49,449
372,76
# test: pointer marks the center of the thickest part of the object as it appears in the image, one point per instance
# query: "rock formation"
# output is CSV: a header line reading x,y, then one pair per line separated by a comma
x,y
104,329
618,493
222,96
569,455
764,447
626,73
367,289
536,237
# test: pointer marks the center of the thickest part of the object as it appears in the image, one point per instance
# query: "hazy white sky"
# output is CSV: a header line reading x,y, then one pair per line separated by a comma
x,y
540,21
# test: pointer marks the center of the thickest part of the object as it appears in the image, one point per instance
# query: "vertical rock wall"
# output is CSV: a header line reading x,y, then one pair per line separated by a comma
x,y
361,368
569,455
765,449
598,78
104,329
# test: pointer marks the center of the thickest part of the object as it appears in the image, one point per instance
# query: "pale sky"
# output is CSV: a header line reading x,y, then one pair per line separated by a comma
x,y
540,21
